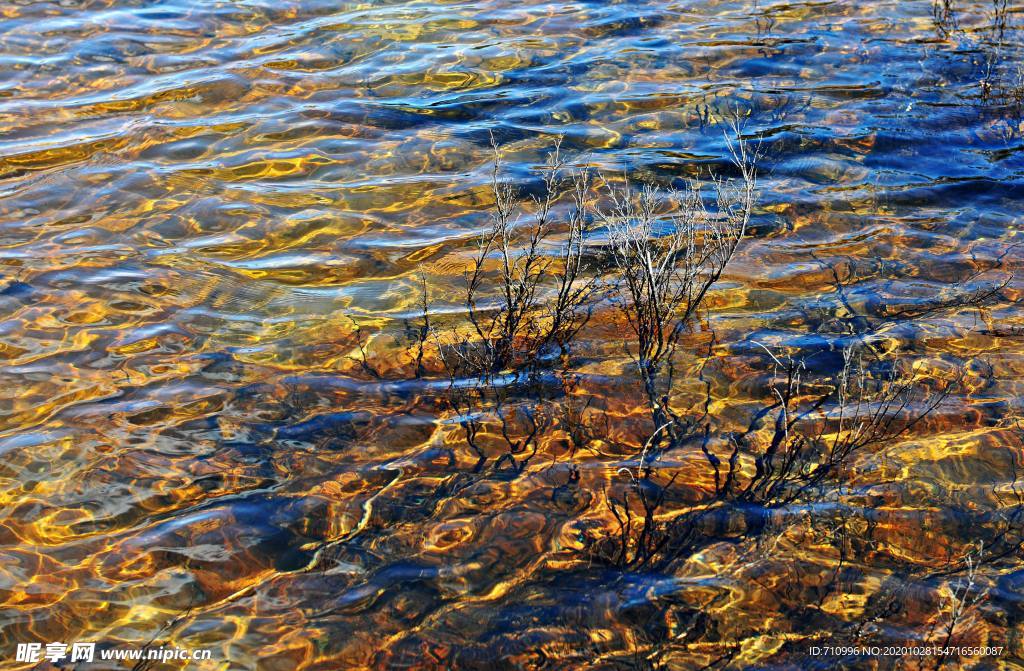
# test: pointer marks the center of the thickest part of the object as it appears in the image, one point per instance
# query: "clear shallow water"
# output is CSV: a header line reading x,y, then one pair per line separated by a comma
x,y
198,199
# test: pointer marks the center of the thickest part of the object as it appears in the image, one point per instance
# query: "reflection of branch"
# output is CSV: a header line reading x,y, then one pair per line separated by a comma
x,y
977,298
641,537
362,360
962,575
995,86
862,325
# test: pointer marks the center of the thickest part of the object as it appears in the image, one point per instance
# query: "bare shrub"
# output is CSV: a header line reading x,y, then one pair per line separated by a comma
x,y
999,79
945,18
541,302
511,329
669,249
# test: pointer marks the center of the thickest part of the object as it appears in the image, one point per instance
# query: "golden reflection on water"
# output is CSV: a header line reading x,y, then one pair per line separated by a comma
x,y
200,201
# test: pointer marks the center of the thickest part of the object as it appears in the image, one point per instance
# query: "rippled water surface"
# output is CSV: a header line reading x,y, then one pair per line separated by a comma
x,y
214,221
